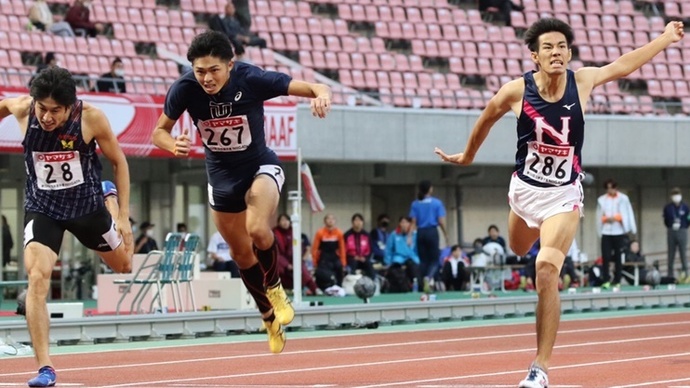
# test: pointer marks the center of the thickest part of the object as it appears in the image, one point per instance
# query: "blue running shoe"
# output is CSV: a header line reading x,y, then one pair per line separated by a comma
x,y
46,378
108,189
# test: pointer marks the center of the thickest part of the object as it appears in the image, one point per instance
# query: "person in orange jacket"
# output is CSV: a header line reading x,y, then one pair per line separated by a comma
x,y
328,253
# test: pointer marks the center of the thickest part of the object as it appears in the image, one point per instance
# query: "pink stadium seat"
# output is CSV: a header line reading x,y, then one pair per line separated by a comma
x,y
15,58
673,55
399,14
349,44
612,53
378,45
291,42
656,24
609,22
654,88
484,67
318,42
344,60
517,19
646,104
626,7
444,49
661,71
287,25
154,36
480,33
382,79
99,14
686,106
133,15
453,81
640,23
444,16
358,79
304,42
363,45
142,34
408,30
668,87
402,62
599,54
414,15
319,60
345,11
396,79
577,6
358,61
340,27
436,98
485,49
438,81
516,50
561,6
416,63
431,49
449,32
175,18
370,81
640,38
372,61
332,44
387,61
455,65
471,49
429,15
514,67
434,32
410,80
385,13
592,21
681,87
470,66
457,49
381,29
459,16
474,17
593,7
278,41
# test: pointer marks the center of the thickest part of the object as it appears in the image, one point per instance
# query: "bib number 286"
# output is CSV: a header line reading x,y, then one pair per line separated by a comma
x,y
549,163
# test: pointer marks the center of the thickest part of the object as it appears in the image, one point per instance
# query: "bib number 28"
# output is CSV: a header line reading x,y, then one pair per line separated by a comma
x,y
57,170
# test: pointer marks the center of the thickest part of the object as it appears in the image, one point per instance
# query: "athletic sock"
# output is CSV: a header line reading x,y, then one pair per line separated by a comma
x,y
253,278
269,263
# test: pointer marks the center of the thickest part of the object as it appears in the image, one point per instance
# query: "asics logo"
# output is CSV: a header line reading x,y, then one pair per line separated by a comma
x,y
568,106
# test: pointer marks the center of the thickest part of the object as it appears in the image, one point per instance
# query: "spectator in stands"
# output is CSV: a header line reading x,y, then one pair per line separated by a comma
x,y
546,202
615,220
7,242
428,214
328,252
676,217
495,237
243,14
569,275
358,248
378,238
502,7
229,25
145,243
401,250
181,227
49,60
43,19
634,256
219,251
114,80
78,17
455,273
283,233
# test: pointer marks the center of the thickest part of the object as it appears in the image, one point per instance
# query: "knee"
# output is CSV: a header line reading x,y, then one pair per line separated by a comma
x,y
547,276
261,236
124,267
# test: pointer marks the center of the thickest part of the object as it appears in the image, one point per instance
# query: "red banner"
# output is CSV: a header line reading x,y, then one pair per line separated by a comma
x,y
133,118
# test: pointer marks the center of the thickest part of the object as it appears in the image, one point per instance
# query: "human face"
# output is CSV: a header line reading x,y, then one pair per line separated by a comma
x,y
212,73
404,225
554,54
357,224
50,114
329,221
611,190
284,223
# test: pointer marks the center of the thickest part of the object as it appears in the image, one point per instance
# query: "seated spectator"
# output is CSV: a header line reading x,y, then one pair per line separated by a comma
x,y
78,17
283,233
219,251
401,251
231,26
358,248
634,256
48,61
43,19
328,253
114,80
502,7
378,238
569,276
454,272
145,243
494,236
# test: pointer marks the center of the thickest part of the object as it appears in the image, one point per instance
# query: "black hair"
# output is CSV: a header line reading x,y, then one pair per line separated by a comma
x,y
210,43
610,182
543,26
492,227
381,217
116,61
56,83
357,215
454,247
50,56
281,215
409,219
424,187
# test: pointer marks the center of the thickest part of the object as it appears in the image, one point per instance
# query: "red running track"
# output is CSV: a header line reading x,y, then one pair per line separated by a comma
x,y
638,351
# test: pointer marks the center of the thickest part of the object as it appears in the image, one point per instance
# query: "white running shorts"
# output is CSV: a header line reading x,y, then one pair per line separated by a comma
x,y
535,204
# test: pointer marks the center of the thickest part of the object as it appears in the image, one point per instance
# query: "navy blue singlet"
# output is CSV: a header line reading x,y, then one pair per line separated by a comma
x,y
63,171
231,122
550,136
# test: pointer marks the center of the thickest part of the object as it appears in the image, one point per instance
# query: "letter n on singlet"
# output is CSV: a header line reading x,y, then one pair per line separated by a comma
x,y
541,127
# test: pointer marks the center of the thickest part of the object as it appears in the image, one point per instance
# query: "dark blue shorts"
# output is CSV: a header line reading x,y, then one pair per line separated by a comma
x,y
228,184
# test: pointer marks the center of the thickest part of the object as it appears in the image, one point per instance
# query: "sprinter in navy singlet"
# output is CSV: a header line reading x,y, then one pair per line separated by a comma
x,y
64,192
545,194
225,100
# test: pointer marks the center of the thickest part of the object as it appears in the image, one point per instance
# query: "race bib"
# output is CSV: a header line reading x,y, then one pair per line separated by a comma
x,y
229,134
57,170
548,163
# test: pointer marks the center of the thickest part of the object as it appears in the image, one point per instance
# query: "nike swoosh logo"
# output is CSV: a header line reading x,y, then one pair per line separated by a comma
x,y
566,106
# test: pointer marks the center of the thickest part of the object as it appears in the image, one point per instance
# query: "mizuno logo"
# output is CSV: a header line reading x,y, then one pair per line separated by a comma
x,y
566,106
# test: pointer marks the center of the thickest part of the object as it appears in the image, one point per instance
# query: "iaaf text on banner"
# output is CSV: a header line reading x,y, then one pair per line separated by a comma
x,y
133,118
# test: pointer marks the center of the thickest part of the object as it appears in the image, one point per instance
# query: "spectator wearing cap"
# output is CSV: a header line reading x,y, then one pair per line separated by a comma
x,y
145,242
